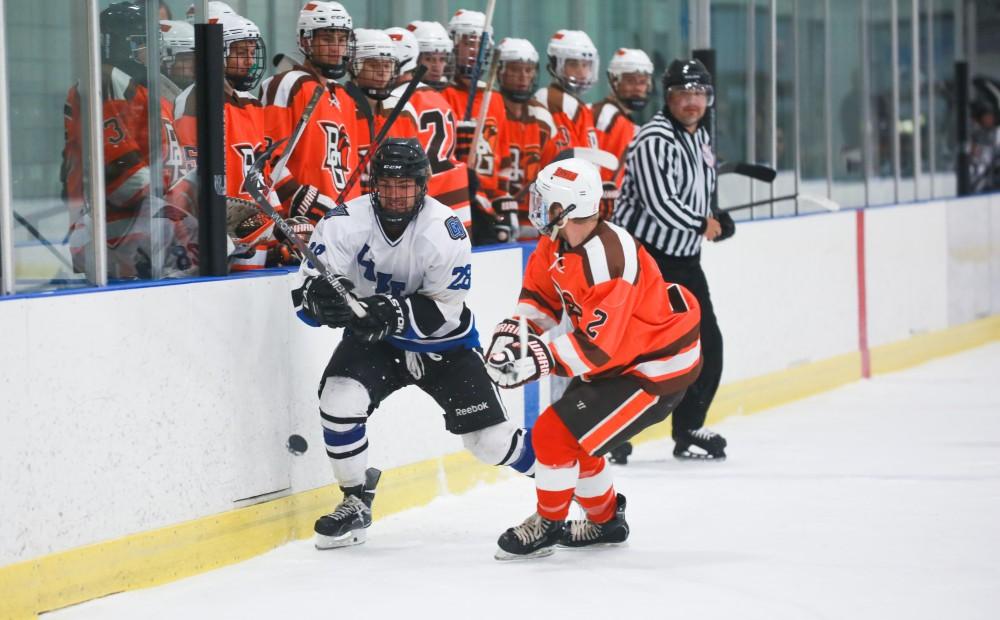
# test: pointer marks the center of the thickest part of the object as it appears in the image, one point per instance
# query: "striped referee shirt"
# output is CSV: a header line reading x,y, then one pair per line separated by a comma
x,y
667,188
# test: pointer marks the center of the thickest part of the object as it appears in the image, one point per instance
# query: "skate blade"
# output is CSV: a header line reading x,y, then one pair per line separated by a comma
x,y
354,537
697,456
505,556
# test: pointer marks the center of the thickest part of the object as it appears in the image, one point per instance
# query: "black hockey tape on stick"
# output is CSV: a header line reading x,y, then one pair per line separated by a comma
x,y
37,235
819,201
293,140
254,185
759,172
418,73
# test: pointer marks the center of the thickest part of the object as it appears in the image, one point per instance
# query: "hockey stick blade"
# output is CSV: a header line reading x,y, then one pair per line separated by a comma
x,y
601,158
820,201
254,185
754,171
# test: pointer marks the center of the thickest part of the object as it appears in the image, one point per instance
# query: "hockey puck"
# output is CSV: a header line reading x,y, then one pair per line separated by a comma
x,y
297,444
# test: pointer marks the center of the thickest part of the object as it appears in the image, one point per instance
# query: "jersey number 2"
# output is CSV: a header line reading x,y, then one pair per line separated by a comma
x,y
600,318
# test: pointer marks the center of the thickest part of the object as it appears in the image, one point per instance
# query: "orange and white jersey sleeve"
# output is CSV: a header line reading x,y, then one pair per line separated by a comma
x,y
625,319
615,131
574,120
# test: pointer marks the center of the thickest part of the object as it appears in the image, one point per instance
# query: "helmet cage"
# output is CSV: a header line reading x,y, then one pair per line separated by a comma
x,y
249,80
309,49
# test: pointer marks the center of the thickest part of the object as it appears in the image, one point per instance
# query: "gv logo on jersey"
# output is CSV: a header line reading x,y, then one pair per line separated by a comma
x,y
337,148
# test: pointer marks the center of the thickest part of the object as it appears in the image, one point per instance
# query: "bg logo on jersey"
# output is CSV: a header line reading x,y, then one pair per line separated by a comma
x,y
245,152
337,149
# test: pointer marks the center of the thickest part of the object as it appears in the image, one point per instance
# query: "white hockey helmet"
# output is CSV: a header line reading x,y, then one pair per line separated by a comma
x,y
375,79
176,37
575,46
628,61
321,15
466,27
431,37
435,52
215,8
238,28
406,49
570,188
516,50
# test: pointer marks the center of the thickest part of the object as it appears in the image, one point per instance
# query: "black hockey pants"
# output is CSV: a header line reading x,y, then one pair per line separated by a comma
x,y
690,413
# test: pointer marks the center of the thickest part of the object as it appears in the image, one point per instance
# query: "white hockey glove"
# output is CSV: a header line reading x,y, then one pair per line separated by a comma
x,y
509,369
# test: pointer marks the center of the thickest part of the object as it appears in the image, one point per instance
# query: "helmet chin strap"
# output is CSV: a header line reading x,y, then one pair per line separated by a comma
x,y
552,229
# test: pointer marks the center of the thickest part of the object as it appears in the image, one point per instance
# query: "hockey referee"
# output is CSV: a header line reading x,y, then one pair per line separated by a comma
x,y
665,203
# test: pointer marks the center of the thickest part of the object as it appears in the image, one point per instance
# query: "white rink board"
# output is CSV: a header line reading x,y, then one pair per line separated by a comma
x,y
127,410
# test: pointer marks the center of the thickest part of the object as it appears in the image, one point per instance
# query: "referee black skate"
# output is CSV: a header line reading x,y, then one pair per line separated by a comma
x,y
665,202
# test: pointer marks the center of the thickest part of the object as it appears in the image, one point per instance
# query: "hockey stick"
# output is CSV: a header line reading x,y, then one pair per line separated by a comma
x,y
818,201
254,185
477,69
300,127
396,111
759,172
484,108
603,159
38,235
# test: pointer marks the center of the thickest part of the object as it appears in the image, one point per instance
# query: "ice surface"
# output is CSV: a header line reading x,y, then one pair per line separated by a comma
x,y
877,500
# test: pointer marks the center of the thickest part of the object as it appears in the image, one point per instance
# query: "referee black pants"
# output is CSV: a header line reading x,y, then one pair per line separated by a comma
x,y
690,413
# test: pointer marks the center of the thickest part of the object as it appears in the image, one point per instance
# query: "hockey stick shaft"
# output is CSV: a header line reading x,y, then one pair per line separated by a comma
x,y
484,107
254,185
477,69
297,133
37,235
396,111
820,201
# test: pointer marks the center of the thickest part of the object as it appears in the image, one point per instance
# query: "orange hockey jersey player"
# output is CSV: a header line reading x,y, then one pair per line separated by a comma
x,y
134,217
374,71
573,63
492,199
326,154
630,74
435,128
633,350
529,127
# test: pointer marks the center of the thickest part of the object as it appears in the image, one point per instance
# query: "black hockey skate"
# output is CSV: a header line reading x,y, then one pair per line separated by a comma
x,y
712,445
346,525
586,533
535,538
619,454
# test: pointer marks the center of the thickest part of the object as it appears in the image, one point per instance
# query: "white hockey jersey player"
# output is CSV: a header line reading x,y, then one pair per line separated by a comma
x,y
407,258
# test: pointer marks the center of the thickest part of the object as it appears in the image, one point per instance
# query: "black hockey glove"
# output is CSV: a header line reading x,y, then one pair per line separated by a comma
x,y
507,227
309,202
324,304
728,225
385,318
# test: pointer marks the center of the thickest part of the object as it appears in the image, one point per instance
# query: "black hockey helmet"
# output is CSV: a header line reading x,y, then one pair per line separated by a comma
x,y
123,34
399,158
688,75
